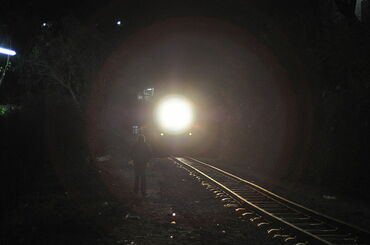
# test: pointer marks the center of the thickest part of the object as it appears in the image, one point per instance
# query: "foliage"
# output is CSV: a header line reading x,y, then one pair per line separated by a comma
x,y
64,61
5,68
6,109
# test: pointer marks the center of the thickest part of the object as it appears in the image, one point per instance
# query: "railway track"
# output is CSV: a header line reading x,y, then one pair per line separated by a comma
x,y
282,219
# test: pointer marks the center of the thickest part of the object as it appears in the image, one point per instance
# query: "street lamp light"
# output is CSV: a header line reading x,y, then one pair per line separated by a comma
x,y
7,51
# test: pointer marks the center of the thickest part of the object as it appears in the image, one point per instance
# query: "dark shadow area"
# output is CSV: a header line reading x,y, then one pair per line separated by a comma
x,y
280,89
50,191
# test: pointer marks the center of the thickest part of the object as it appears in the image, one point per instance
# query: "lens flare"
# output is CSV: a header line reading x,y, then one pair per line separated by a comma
x,y
174,114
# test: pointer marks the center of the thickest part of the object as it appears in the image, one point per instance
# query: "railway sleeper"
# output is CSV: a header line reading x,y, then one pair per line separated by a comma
x,y
259,201
273,231
219,179
346,235
287,215
262,201
247,214
243,189
354,243
227,199
263,206
231,205
292,219
237,186
318,232
304,222
340,241
233,183
283,214
267,203
321,225
275,211
329,233
281,237
251,197
249,194
256,218
221,194
263,224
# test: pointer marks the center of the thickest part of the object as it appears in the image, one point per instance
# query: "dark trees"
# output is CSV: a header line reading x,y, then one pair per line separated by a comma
x,y
63,61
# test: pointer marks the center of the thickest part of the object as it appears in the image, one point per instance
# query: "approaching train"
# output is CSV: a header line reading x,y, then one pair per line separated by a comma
x,y
171,126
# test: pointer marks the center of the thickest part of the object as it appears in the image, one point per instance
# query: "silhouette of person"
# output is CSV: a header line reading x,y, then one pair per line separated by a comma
x,y
141,154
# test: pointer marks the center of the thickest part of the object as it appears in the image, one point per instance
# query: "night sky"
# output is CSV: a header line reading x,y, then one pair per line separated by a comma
x,y
23,20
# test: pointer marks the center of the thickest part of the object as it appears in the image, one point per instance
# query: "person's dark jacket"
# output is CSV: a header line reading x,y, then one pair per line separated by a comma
x,y
141,153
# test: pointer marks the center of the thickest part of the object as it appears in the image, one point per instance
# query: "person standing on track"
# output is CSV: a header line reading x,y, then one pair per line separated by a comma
x,y
141,154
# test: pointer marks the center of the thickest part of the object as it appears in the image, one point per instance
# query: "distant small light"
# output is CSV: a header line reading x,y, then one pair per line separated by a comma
x,y
190,134
162,134
44,24
119,23
173,214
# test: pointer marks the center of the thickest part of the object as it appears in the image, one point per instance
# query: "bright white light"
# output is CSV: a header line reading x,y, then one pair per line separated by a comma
x,y
7,51
174,114
119,22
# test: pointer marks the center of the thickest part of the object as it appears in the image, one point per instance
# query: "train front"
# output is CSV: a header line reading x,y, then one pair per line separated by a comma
x,y
173,130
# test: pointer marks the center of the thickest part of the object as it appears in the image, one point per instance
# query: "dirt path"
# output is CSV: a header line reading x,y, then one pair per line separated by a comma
x,y
177,210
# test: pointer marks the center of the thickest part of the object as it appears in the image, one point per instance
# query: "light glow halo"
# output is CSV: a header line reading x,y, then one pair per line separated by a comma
x,y
174,114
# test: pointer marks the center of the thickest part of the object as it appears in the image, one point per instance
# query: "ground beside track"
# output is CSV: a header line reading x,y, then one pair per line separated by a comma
x,y
92,203
349,209
200,218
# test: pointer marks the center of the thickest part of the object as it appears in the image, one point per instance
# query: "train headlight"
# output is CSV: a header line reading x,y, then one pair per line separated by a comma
x,y
174,114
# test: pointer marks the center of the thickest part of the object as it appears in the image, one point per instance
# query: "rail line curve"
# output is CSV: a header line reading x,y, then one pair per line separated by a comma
x,y
281,218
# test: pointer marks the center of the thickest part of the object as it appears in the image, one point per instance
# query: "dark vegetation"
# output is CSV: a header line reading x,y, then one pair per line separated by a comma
x,y
48,142
324,52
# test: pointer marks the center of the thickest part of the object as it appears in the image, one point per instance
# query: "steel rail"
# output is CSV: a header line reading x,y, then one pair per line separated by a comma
x,y
309,231
296,205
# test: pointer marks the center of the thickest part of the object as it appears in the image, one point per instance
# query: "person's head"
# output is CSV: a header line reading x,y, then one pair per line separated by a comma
x,y
141,138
